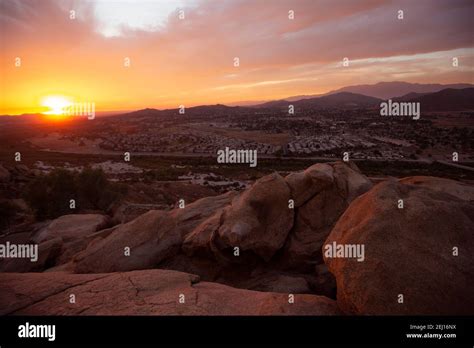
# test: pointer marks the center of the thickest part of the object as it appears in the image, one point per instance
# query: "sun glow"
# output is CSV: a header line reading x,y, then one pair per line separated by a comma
x,y
57,105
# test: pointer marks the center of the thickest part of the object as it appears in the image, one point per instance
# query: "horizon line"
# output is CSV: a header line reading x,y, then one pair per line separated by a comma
x,y
247,103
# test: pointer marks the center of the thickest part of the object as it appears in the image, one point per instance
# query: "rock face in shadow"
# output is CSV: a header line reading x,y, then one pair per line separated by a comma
x,y
149,292
422,251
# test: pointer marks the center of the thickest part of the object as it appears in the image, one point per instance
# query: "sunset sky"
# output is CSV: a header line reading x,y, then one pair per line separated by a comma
x,y
190,61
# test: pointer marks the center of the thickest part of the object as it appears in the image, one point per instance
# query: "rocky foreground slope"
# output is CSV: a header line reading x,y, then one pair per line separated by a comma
x,y
270,238
150,292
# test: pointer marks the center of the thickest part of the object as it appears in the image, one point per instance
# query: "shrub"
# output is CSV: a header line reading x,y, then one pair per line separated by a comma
x,y
49,195
91,185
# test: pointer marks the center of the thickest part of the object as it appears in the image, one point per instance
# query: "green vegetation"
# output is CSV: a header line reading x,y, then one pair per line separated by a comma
x,y
50,195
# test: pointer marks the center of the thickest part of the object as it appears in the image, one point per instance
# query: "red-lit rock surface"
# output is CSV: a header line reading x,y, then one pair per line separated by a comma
x,y
408,251
148,292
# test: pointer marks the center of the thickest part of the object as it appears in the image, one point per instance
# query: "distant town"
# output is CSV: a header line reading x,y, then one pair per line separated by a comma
x,y
364,134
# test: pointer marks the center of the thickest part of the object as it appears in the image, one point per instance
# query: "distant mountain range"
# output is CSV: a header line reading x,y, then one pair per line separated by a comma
x,y
448,99
445,100
387,90
343,100
359,96
433,97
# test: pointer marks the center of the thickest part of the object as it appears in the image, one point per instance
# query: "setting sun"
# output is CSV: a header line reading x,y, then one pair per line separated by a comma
x,y
57,105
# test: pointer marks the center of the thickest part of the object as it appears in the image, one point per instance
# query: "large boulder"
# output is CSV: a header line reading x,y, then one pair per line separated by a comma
x,y
72,227
417,258
332,186
306,184
147,240
128,211
200,240
21,235
454,188
139,244
73,247
258,220
148,292
48,252
195,213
